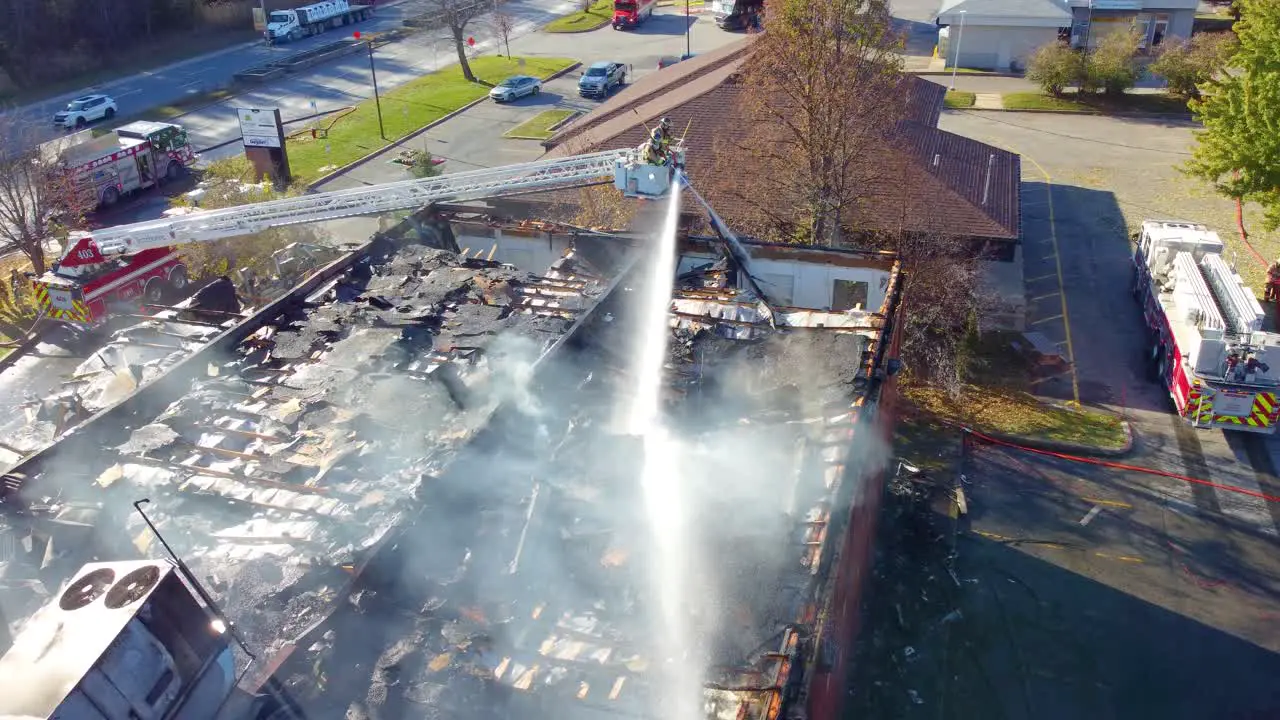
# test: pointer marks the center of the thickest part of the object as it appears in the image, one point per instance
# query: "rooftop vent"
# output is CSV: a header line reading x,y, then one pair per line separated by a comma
x,y
132,587
86,589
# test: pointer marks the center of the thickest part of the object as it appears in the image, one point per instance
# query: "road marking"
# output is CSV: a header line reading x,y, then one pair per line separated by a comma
x,y
1057,262
1111,503
1089,516
1051,318
1038,278
1038,298
1122,558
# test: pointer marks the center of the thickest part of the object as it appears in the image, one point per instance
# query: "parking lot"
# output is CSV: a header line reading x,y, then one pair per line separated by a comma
x,y
1084,590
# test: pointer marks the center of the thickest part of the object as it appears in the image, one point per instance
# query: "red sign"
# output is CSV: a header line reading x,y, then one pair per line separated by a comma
x,y
356,34
471,42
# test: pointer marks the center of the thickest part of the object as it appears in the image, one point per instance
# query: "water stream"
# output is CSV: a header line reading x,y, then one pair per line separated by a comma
x,y
665,505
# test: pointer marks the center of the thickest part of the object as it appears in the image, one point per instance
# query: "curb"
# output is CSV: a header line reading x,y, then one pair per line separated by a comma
x,y
397,143
1080,112
1072,448
947,73
572,32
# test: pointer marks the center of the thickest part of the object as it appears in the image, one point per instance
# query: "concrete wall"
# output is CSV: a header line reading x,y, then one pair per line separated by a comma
x,y
806,285
993,47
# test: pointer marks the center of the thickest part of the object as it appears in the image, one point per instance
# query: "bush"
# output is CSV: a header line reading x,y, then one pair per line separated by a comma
x,y
1113,65
1055,67
423,165
1185,66
230,182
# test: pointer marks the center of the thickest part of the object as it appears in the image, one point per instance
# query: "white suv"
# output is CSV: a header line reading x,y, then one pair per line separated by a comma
x,y
84,110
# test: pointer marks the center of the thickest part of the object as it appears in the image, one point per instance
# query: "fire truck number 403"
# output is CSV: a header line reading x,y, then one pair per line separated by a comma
x,y
1207,345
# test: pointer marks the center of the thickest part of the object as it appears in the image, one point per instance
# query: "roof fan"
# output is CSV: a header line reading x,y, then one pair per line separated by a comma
x,y
86,589
132,587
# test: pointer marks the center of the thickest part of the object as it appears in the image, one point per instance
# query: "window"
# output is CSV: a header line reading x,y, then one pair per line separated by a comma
x,y
1162,29
595,72
847,295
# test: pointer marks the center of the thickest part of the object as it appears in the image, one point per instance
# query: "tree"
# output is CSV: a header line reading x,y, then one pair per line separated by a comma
x,y
504,23
821,91
39,202
1239,149
1186,65
1055,67
457,15
1113,65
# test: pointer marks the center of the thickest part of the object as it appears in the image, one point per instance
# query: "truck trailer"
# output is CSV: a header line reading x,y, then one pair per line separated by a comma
x,y
133,157
308,20
1205,340
738,14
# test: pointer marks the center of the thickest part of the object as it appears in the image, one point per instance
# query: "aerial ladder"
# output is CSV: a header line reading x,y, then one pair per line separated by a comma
x,y
126,264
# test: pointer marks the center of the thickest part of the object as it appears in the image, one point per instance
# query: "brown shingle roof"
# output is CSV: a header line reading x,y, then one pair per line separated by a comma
x,y
946,181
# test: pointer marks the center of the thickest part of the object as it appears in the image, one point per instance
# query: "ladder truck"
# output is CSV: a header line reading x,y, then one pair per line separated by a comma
x,y
1206,345
126,266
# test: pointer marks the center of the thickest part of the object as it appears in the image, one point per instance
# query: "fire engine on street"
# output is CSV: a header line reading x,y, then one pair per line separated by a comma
x,y
1204,325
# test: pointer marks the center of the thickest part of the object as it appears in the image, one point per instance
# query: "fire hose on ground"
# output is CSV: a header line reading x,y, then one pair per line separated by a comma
x,y
1117,466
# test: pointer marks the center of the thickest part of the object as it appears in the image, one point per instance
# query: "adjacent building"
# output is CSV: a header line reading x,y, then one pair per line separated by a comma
x,y
1002,34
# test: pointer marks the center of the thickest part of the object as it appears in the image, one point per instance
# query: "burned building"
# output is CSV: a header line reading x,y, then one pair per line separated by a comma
x,y
409,490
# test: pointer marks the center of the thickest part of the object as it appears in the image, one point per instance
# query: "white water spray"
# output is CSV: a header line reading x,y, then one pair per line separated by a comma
x,y
664,500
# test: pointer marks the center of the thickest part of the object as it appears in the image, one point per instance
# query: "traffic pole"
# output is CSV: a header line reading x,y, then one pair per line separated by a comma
x,y
373,72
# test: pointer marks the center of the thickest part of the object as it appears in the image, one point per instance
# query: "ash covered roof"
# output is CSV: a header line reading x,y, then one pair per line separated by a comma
x,y
525,589
278,471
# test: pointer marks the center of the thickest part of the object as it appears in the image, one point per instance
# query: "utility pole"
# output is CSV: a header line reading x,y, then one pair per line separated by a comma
x,y
377,101
262,4
955,63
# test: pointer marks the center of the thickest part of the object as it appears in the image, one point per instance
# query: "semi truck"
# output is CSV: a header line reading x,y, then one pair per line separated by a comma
x,y
1205,341
738,14
630,13
308,20
132,157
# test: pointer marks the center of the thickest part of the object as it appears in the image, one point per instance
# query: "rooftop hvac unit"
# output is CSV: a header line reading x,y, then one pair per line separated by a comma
x,y
1191,295
1239,306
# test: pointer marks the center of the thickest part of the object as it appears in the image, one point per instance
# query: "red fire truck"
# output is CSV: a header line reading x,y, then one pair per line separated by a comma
x,y
1206,343
630,13
132,157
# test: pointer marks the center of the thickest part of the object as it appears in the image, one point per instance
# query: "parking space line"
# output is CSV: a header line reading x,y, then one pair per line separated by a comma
x,y
1050,319
1038,298
1109,503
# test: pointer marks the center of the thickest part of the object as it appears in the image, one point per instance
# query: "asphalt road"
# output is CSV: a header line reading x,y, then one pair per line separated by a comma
x,y
171,83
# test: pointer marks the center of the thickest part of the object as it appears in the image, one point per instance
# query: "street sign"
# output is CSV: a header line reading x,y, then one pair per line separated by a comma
x,y
259,127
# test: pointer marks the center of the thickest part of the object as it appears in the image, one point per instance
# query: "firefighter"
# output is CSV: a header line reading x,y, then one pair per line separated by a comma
x,y
655,152
664,127
1273,278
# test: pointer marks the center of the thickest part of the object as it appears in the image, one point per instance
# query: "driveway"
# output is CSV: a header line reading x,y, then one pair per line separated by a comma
x,y
1088,181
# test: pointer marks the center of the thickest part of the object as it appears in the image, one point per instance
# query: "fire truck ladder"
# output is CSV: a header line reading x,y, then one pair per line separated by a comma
x,y
579,170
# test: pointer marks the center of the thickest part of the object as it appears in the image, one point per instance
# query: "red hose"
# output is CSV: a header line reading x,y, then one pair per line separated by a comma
x,y
1122,466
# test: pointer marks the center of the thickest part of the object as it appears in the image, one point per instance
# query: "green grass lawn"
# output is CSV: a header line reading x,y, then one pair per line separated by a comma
x,y
405,109
539,126
959,99
597,15
1071,102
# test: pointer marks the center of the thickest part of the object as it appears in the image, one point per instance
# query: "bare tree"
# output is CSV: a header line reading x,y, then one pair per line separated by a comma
x,y
504,23
39,201
457,15
821,91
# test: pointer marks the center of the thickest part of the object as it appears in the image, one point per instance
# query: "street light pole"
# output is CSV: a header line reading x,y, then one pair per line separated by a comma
x,y
955,63
377,101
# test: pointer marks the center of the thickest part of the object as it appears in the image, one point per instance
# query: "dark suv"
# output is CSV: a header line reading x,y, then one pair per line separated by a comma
x,y
601,78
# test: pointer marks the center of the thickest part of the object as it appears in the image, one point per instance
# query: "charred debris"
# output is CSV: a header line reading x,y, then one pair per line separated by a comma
x,y
413,508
